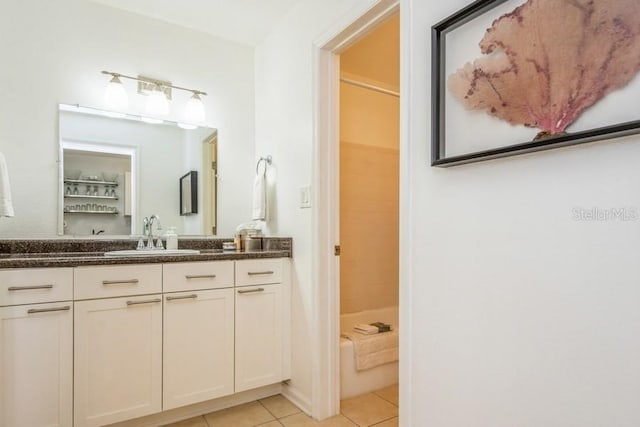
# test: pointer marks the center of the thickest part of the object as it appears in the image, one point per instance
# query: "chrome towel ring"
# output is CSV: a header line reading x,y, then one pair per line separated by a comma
x,y
267,161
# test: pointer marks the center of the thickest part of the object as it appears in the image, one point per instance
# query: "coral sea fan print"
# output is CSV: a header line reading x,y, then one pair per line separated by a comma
x,y
547,61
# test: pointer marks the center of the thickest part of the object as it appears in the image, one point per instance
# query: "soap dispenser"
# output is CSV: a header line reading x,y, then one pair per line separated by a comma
x,y
171,238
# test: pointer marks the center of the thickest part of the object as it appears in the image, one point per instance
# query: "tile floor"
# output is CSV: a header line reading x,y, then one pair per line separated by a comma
x,y
379,409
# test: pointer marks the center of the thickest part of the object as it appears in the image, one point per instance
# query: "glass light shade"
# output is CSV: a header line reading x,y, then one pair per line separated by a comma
x,y
194,110
157,103
115,97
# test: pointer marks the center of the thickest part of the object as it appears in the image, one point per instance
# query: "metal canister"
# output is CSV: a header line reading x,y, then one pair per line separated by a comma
x,y
252,244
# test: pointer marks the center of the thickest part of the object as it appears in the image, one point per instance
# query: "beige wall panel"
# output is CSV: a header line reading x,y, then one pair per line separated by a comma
x,y
368,227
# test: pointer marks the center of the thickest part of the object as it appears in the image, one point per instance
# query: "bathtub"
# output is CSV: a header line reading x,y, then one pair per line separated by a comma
x,y
352,382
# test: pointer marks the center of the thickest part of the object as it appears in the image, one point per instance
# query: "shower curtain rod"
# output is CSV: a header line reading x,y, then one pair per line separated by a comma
x,y
370,86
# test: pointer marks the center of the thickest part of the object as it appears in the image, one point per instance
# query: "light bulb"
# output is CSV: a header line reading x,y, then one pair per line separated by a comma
x,y
157,103
194,110
115,97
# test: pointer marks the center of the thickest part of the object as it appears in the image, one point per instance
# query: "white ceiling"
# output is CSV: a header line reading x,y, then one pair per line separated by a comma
x,y
242,21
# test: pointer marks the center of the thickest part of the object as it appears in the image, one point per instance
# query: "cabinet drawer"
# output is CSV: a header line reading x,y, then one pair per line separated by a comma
x,y
258,271
189,276
114,281
31,286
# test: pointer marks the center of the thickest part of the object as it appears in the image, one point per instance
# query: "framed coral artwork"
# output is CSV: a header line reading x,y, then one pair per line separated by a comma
x,y
517,76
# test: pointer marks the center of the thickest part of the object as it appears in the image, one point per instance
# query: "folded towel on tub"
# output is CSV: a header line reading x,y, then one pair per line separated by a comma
x,y
374,350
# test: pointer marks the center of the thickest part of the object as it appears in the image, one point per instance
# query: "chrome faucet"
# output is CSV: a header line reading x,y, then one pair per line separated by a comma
x,y
148,230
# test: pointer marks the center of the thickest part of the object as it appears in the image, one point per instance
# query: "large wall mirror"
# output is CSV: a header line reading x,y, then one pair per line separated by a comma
x,y
115,169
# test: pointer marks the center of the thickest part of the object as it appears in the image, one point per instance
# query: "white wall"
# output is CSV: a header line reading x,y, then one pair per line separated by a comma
x,y
517,315
53,52
284,129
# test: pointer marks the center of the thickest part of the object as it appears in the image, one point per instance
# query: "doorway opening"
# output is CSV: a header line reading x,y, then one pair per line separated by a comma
x,y
369,215
327,169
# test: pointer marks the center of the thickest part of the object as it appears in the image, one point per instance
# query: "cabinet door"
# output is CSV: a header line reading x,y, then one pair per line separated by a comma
x,y
36,365
258,336
118,359
198,346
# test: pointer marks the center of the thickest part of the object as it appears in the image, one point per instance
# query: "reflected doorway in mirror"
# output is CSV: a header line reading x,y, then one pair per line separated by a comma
x,y
189,193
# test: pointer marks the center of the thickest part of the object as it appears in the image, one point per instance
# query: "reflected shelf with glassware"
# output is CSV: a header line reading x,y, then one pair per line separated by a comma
x,y
80,196
68,211
90,182
86,209
93,190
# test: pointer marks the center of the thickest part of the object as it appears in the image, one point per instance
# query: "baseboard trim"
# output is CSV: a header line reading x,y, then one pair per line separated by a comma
x,y
186,412
297,397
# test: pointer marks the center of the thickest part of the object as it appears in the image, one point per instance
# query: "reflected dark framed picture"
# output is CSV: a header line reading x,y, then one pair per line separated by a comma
x,y
189,193
516,76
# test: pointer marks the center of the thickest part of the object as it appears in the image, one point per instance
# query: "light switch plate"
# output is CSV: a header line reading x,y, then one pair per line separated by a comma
x,y
305,197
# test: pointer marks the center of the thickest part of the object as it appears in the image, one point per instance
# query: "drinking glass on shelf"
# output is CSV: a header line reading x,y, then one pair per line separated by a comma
x,y
106,191
68,191
88,191
95,190
75,191
113,192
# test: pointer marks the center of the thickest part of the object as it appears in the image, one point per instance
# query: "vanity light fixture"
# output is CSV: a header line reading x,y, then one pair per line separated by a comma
x,y
159,94
194,110
115,97
157,102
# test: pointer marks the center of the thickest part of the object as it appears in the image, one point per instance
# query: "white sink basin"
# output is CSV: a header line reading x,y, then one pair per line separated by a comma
x,y
157,252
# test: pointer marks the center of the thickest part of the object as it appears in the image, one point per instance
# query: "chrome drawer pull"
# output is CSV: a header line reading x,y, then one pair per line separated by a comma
x,y
201,276
120,282
182,297
256,273
147,301
248,291
28,288
47,310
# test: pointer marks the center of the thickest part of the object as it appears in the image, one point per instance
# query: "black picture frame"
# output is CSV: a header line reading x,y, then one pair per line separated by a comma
x,y
438,88
189,193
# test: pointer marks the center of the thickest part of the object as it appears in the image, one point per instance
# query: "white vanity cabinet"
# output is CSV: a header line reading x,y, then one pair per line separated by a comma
x,y
96,345
198,333
36,347
262,323
117,343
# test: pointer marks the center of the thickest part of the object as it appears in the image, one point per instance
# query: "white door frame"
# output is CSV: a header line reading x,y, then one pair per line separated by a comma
x,y
326,210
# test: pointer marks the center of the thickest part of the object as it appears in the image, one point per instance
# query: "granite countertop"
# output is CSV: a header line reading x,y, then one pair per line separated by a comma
x,y
74,253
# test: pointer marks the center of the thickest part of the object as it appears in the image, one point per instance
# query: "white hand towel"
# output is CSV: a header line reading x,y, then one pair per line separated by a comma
x,y
259,211
6,206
